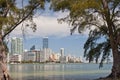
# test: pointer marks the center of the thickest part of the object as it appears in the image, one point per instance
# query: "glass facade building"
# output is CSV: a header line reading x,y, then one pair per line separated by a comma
x,y
16,46
45,42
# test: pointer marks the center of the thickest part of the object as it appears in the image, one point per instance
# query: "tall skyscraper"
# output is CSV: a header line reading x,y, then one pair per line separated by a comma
x,y
16,46
45,42
62,51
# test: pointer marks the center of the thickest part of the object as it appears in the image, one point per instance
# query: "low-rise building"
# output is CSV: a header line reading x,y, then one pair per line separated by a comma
x,y
33,55
15,58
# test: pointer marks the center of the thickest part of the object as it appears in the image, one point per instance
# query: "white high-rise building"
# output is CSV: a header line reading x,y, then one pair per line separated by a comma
x,y
42,56
45,52
45,55
16,45
62,51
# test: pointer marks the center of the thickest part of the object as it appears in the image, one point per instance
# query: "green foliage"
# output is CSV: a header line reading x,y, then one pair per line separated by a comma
x,y
11,14
94,49
103,15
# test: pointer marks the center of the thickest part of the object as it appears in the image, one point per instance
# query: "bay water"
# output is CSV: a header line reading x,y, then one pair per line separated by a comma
x,y
57,71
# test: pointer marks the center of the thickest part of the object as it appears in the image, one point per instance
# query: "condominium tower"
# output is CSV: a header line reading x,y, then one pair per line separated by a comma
x,y
62,52
62,57
16,45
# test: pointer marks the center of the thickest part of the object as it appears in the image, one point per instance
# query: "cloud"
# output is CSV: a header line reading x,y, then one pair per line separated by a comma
x,y
49,26
46,26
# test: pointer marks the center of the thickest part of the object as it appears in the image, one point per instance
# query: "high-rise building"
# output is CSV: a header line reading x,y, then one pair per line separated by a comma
x,y
62,52
62,57
16,46
45,54
45,42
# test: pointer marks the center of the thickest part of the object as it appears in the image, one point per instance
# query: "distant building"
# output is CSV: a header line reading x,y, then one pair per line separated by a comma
x,y
32,48
62,58
16,46
62,51
54,57
65,59
45,42
45,55
73,59
31,56
37,55
15,58
42,56
57,57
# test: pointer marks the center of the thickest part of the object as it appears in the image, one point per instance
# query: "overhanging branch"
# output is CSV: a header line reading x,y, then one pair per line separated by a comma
x,y
99,27
18,23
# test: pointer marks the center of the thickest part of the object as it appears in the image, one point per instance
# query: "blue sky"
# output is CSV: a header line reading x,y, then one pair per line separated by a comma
x,y
58,34
73,44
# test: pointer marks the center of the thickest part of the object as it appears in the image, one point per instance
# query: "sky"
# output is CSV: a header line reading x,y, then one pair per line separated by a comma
x,y
58,34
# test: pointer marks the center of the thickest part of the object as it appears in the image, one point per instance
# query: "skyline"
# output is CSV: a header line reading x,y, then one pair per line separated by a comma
x,y
38,55
72,44
58,34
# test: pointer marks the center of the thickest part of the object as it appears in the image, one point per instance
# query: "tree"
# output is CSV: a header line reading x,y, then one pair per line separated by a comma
x,y
13,14
104,16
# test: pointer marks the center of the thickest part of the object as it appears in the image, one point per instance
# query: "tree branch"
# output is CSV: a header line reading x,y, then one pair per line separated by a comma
x,y
98,27
18,23
7,9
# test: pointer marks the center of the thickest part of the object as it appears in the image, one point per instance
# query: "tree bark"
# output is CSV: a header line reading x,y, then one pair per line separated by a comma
x,y
115,72
114,42
4,75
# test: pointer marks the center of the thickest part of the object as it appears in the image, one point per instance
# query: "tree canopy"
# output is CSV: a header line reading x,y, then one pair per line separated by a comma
x,y
103,15
13,13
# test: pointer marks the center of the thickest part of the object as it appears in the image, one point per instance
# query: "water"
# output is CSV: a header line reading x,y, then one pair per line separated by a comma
x,y
73,71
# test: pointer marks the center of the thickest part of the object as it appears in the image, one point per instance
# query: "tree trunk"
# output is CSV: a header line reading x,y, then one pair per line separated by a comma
x,y
3,61
115,72
114,42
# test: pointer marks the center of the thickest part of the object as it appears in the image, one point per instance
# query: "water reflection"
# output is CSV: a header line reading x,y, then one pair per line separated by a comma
x,y
57,71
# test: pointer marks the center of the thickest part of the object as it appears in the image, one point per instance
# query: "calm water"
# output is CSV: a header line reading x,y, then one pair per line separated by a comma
x,y
74,71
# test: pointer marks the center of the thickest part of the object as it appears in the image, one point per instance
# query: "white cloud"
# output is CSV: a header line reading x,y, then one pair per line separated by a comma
x,y
46,26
